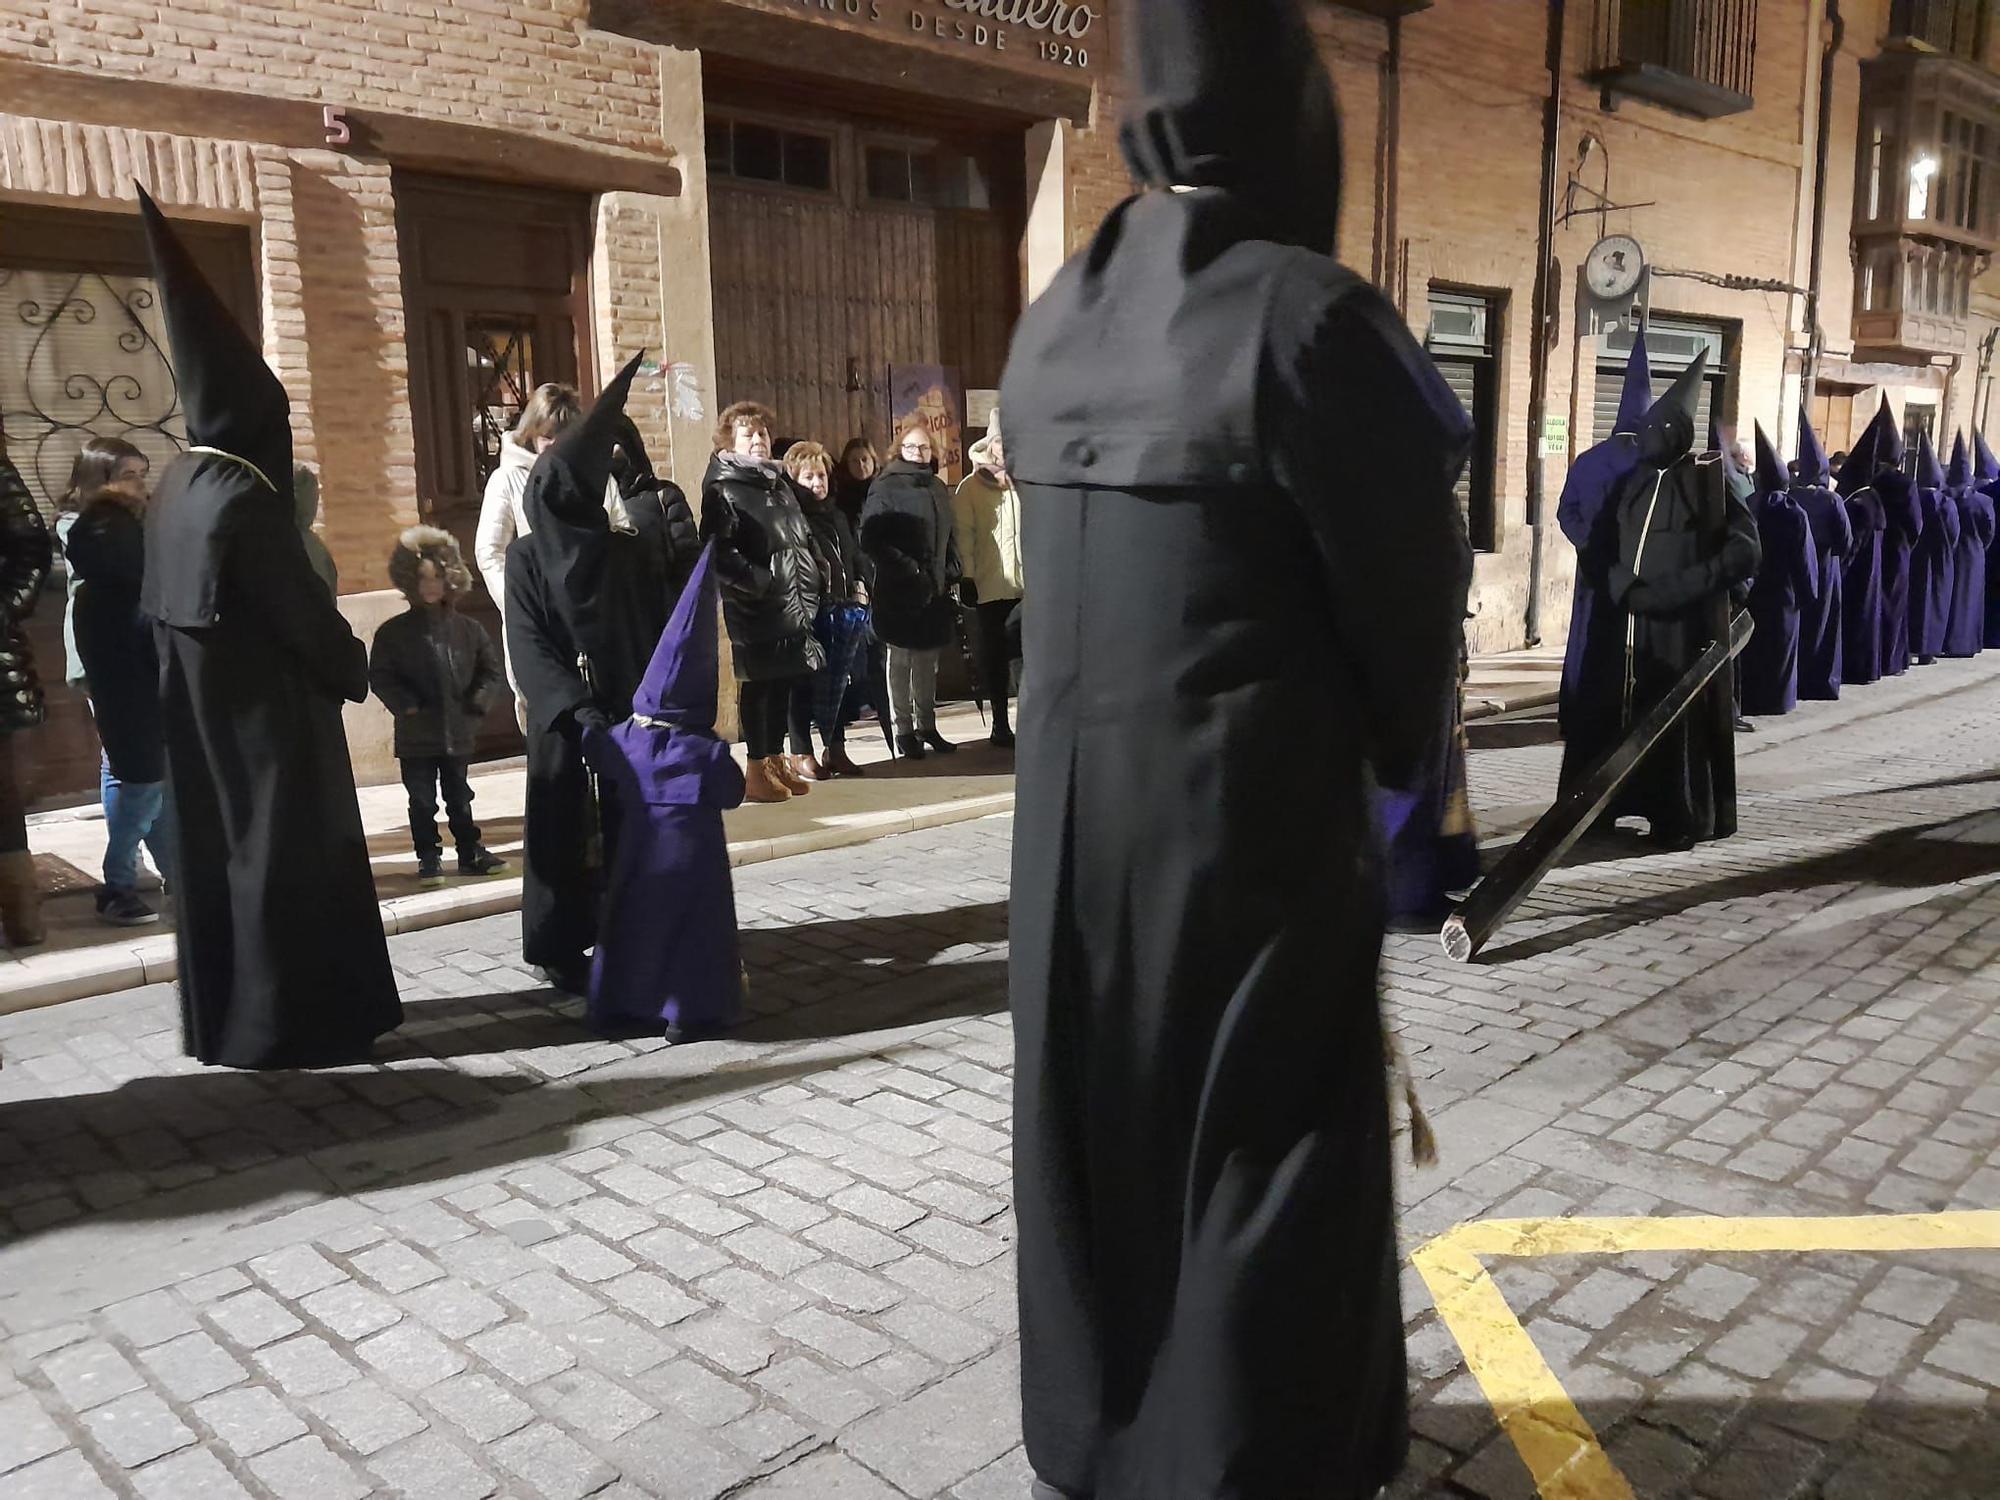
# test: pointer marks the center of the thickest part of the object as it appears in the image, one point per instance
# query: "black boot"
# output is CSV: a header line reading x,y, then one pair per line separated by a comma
x,y
938,742
910,747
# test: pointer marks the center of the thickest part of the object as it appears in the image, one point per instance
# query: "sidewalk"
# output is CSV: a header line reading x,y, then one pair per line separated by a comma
x,y
84,957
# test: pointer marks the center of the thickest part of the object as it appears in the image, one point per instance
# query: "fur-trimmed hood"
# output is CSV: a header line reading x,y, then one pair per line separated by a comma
x,y
427,544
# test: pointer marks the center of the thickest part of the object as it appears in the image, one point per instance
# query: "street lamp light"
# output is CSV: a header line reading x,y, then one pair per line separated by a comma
x,y
1922,170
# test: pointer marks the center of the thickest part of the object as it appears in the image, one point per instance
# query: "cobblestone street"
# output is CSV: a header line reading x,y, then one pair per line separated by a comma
x,y
512,1260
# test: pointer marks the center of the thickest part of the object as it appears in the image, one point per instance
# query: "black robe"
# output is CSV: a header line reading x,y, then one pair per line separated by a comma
x,y
283,963
1685,540
1235,468
585,609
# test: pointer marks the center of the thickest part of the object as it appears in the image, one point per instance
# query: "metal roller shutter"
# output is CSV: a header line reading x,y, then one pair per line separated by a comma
x,y
1462,375
1671,345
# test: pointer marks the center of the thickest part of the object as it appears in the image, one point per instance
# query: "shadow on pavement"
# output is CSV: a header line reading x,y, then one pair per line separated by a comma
x,y
1512,733
1898,858
215,1141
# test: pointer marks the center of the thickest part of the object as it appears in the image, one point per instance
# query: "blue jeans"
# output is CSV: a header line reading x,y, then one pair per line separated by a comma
x,y
134,812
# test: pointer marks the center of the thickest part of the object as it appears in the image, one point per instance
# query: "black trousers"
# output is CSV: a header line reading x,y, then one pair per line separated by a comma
x,y
996,654
764,708
423,778
799,715
13,797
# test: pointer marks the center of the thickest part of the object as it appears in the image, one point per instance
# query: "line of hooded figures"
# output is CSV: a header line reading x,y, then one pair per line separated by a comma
x,y
1851,571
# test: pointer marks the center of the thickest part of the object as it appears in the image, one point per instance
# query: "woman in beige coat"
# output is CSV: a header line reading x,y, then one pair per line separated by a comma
x,y
986,529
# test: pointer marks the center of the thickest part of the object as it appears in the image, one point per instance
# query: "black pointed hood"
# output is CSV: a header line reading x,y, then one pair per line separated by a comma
x,y
230,398
1879,447
1771,475
1667,434
1232,94
1636,394
567,525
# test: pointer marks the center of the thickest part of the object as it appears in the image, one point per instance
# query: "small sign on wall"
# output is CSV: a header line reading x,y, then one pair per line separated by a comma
x,y
1555,436
979,406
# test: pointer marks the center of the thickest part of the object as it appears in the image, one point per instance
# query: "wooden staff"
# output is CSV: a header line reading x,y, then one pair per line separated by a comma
x,y
1472,926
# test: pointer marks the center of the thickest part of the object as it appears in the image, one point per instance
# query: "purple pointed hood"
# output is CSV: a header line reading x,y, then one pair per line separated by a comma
x,y
1636,396
1879,447
1813,467
1985,467
670,741
1929,475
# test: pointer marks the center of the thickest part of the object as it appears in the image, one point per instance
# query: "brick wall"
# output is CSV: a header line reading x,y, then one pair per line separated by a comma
x,y
526,65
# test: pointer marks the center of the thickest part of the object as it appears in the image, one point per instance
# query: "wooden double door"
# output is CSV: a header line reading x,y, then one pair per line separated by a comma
x,y
817,293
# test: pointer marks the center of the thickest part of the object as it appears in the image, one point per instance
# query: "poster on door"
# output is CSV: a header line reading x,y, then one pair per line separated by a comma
x,y
933,393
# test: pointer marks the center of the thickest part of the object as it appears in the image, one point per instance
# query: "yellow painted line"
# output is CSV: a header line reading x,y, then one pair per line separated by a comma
x,y
1562,1453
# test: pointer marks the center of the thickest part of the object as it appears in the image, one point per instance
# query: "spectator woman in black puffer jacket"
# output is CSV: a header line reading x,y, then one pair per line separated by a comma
x,y
906,533
770,575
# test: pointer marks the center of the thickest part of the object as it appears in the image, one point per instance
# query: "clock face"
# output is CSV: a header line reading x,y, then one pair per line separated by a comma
x,y
1614,266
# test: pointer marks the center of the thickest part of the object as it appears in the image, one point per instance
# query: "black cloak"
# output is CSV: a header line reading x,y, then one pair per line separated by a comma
x,y
1208,1265
1686,539
585,608
282,959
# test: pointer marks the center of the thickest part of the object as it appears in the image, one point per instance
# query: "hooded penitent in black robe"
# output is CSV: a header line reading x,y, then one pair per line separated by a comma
x,y
1932,561
282,959
1902,529
1821,618
585,608
1589,707
1787,578
1208,1287
1685,540
1876,455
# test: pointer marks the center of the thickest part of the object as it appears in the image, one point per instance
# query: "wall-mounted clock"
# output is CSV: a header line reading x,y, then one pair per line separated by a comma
x,y
1613,267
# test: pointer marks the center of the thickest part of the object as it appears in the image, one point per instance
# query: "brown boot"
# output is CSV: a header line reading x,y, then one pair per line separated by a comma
x,y
20,901
762,784
839,763
783,767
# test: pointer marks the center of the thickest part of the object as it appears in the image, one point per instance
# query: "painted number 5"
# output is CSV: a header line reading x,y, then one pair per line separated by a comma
x,y
337,133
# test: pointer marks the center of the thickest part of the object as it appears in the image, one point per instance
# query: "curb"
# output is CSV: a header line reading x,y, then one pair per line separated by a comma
x,y
79,973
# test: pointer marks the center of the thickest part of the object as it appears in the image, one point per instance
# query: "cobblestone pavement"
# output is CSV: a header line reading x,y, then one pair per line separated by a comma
x,y
510,1260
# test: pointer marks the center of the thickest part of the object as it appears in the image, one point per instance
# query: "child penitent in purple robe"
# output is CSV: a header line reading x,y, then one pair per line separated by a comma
x,y
666,951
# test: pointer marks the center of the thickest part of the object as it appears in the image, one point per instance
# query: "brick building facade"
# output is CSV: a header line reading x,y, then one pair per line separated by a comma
x,y
432,206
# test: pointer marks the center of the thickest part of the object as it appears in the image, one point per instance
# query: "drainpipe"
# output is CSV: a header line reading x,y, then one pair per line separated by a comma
x,y
1388,152
1815,336
1544,318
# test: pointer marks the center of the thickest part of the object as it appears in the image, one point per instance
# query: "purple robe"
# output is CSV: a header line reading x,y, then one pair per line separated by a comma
x,y
667,953
1787,580
1861,590
1965,631
1933,569
1821,617
1903,524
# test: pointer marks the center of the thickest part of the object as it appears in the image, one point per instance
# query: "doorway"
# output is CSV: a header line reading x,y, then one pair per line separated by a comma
x,y
496,293
83,354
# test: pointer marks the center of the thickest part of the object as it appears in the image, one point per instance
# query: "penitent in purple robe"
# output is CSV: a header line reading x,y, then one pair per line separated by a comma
x,y
1877,453
1820,618
666,951
1933,563
1787,579
1965,631
1592,717
1428,837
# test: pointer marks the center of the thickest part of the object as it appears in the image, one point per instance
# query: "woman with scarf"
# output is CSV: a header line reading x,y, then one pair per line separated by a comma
x,y
906,532
770,576
585,608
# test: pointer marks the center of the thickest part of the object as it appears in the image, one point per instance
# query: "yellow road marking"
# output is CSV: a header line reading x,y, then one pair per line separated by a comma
x,y
1561,1452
